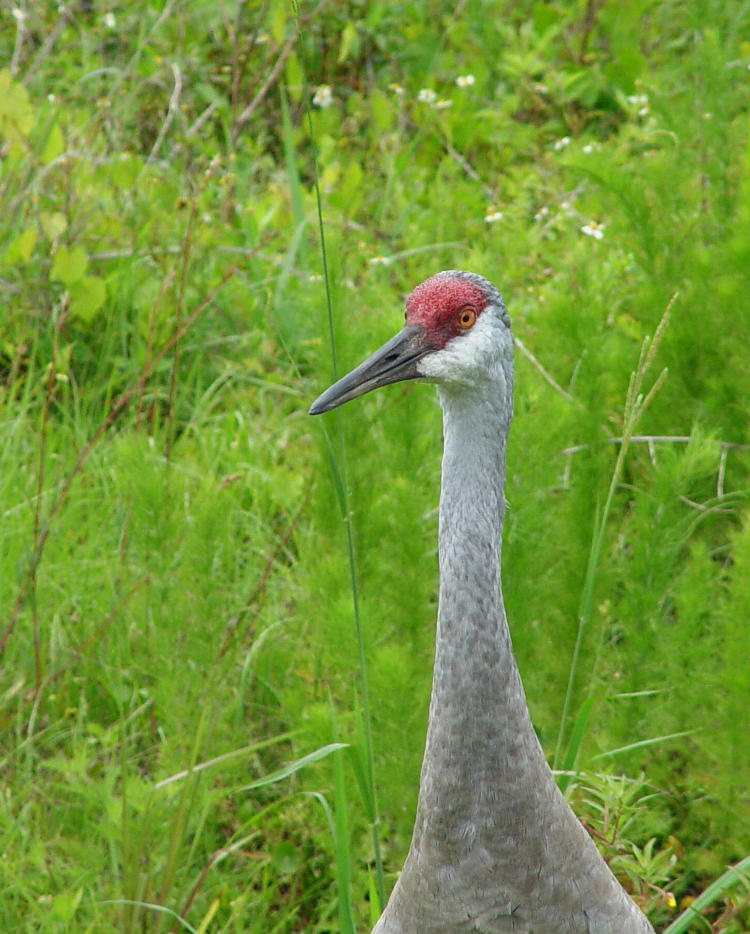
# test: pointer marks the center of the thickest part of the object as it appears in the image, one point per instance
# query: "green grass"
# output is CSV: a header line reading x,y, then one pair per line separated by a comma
x,y
184,554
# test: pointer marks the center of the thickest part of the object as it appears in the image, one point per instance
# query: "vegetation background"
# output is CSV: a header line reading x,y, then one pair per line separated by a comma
x,y
193,735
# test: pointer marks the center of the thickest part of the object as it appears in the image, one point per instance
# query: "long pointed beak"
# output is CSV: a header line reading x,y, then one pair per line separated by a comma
x,y
396,360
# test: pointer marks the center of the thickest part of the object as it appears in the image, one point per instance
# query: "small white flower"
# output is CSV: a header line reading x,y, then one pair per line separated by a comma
x,y
465,81
315,277
540,88
638,100
109,20
443,104
19,15
51,98
493,217
588,148
560,144
397,89
541,214
593,229
427,96
381,261
644,111
323,96
566,207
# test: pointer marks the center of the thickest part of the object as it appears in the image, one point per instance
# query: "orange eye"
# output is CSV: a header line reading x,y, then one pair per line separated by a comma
x,y
466,317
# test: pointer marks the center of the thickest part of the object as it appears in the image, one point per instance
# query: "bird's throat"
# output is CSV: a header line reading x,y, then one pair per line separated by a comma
x,y
479,721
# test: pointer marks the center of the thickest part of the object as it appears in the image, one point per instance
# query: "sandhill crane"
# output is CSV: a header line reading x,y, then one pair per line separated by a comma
x,y
495,846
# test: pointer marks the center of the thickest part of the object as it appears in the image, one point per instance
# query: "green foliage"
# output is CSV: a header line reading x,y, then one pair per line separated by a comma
x,y
178,641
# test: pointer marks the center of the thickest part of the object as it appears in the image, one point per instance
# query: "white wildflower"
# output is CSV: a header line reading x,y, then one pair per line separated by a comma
x,y
426,96
19,15
588,148
492,217
593,229
323,96
314,277
541,214
560,144
109,20
381,261
443,104
397,89
465,81
540,88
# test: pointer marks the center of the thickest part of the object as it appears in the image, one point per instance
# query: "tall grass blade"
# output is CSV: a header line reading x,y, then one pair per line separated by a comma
x,y
724,883
180,820
635,405
160,909
642,743
343,864
293,767
342,861
576,736
339,472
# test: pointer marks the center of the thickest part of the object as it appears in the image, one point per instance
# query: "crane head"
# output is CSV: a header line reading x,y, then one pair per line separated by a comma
x,y
456,333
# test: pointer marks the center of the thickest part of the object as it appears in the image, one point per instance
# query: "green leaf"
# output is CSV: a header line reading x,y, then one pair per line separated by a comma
x,y
16,114
349,42
86,296
295,77
53,224
54,145
383,112
277,22
65,905
20,248
69,264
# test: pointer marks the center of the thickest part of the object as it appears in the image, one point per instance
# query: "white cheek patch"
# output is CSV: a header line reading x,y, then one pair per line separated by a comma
x,y
467,357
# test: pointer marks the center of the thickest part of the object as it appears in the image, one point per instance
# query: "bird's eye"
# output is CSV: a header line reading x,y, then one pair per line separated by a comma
x,y
466,318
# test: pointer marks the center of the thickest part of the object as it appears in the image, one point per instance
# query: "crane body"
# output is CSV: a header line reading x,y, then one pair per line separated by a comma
x,y
495,847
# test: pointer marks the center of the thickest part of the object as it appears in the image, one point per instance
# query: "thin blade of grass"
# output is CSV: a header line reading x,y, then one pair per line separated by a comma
x,y
576,737
635,405
295,766
343,863
180,819
724,883
339,472
642,743
161,909
227,756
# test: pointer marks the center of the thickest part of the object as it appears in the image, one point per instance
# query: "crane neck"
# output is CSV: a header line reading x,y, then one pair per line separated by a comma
x,y
478,711
472,497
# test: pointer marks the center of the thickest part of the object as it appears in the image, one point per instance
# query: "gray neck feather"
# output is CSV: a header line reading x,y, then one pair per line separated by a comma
x,y
474,742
